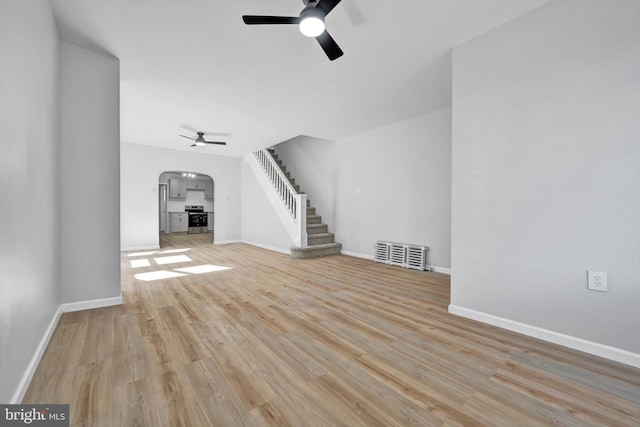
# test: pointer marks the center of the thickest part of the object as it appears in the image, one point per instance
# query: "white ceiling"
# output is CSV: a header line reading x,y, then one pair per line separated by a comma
x,y
190,65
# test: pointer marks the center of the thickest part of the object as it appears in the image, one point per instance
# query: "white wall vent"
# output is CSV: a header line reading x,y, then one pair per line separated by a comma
x,y
397,254
416,257
401,254
381,252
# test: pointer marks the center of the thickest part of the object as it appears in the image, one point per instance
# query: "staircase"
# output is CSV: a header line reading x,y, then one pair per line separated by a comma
x,y
320,242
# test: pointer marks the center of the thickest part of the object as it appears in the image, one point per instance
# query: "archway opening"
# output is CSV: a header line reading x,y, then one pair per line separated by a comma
x,y
186,205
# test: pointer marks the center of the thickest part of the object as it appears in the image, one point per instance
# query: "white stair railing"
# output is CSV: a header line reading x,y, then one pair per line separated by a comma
x,y
294,202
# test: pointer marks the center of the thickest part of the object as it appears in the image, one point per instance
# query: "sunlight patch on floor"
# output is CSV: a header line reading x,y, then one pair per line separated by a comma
x,y
159,264
142,253
199,269
173,251
137,263
157,275
172,259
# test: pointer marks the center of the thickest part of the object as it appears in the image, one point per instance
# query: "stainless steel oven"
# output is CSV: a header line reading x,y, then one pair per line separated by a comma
x,y
198,219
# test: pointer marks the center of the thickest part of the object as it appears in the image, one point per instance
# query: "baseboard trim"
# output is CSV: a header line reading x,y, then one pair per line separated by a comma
x,y
226,242
68,307
441,270
25,381
140,248
358,255
601,350
267,247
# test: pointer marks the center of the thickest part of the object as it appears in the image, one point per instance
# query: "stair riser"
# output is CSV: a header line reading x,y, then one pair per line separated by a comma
x,y
320,240
307,254
318,230
311,211
314,219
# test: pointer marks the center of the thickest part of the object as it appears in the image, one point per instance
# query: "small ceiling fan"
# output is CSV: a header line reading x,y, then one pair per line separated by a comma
x,y
311,22
200,141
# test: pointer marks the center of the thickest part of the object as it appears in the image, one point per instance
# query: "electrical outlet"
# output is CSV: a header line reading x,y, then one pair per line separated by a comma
x,y
597,281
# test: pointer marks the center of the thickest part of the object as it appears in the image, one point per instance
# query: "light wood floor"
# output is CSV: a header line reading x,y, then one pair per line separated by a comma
x,y
327,342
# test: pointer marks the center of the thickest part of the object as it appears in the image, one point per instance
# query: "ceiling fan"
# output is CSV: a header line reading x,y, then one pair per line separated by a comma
x,y
310,21
200,141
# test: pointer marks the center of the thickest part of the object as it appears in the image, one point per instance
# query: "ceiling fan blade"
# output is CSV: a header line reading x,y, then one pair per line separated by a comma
x,y
193,145
270,20
329,46
215,142
327,5
188,137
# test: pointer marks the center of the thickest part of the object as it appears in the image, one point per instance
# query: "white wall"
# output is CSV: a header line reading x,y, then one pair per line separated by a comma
x,y
89,164
29,177
546,170
141,167
261,224
391,183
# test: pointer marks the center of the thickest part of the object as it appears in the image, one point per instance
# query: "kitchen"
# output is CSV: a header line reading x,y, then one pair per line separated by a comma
x,y
186,203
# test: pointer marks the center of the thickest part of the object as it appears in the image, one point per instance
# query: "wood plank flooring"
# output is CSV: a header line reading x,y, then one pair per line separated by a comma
x,y
335,341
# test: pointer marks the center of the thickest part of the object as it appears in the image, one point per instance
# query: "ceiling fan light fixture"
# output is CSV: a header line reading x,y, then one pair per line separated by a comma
x,y
312,26
200,143
310,23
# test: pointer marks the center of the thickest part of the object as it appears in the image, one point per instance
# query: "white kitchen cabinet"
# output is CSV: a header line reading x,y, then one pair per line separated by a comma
x,y
177,188
208,189
195,184
179,222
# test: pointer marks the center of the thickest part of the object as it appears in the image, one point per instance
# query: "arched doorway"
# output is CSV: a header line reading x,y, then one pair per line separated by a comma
x,y
186,203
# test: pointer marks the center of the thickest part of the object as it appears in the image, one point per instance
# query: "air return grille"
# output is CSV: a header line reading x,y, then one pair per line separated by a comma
x,y
381,252
401,254
396,254
416,257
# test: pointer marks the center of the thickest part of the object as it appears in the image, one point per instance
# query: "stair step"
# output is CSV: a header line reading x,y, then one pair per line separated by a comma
x,y
314,219
317,228
311,211
308,202
316,251
292,180
297,187
320,239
